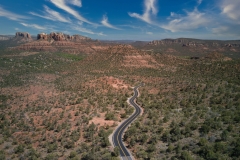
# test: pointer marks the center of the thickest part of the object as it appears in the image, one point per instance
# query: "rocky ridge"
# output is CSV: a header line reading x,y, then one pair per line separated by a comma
x,y
59,42
184,42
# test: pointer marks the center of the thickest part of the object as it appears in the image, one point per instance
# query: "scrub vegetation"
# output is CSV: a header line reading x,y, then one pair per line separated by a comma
x,y
64,106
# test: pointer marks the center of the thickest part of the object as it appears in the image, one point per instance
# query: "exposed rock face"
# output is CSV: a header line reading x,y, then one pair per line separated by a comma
x,y
57,36
42,36
23,35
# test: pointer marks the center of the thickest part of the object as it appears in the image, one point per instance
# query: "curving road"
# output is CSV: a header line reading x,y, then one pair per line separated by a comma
x,y
118,133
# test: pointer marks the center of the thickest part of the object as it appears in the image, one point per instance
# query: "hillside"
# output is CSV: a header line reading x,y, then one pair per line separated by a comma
x,y
193,47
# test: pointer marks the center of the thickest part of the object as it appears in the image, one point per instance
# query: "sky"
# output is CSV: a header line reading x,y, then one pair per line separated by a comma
x,y
124,19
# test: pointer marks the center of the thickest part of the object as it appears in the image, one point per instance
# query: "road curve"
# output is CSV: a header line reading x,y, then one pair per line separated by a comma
x,y
118,133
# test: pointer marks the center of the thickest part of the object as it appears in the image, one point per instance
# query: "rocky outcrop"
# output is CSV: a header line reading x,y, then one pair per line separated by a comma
x,y
42,36
79,38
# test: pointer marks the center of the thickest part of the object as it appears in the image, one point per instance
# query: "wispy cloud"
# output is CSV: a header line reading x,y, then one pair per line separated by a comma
x,y
107,24
230,8
62,4
199,2
11,15
191,21
149,33
228,20
51,15
34,26
85,30
227,31
75,2
149,11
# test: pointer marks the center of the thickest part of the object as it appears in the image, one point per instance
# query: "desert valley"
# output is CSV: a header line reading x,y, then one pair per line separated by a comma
x,y
62,96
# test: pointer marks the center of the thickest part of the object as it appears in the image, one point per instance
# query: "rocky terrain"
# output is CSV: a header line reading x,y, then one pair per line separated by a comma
x,y
193,47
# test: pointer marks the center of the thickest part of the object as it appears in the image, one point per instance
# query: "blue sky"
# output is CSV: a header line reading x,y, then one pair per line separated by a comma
x,y
124,19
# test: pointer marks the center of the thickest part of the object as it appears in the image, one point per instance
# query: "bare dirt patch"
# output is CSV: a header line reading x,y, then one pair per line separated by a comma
x,y
111,81
140,61
100,121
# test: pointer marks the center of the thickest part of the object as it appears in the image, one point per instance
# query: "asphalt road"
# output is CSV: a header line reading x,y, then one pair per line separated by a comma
x,y
118,134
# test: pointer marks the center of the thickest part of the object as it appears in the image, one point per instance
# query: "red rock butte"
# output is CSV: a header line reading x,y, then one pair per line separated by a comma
x,y
55,42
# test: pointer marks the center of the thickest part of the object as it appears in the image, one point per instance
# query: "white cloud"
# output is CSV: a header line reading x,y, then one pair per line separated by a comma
x,y
150,9
229,31
80,23
219,30
85,30
227,23
191,21
101,34
172,14
34,26
149,33
230,8
10,15
107,24
75,2
52,15
62,5
199,2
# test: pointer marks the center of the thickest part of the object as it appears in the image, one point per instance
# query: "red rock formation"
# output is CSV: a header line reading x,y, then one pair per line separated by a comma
x,y
61,37
79,38
42,36
54,42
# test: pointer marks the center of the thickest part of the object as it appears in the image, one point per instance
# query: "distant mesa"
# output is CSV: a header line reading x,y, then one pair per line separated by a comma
x,y
23,35
188,42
